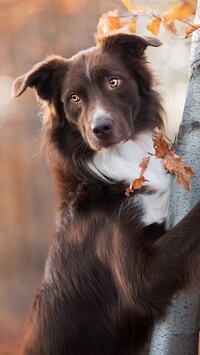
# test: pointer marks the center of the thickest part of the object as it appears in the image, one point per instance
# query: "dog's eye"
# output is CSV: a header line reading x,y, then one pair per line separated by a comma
x,y
114,82
74,98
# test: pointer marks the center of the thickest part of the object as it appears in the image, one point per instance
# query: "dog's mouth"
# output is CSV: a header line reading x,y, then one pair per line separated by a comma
x,y
99,146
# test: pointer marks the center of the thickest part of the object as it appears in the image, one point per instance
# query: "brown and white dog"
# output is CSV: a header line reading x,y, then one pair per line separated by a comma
x,y
112,269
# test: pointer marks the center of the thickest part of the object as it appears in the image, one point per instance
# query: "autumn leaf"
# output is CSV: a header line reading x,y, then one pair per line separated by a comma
x,y
135,9
175,164
128,4
114,23
184,177
181,10
154,25
136,184
144,165
131,25
156,21
190,28
160,145
109,21
170,26
172,162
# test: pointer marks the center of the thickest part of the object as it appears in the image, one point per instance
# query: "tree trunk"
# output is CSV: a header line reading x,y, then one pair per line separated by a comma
x,y
177,334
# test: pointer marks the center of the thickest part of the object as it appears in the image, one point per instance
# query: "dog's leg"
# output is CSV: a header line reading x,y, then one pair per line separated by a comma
x,y
170,264
73,308
163,268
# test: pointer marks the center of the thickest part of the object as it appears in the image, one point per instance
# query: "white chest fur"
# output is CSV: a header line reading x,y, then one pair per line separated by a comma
x,y
121,163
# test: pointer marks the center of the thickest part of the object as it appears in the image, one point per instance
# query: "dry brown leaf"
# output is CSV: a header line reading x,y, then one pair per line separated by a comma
x,y
182,10
156,21
136,184
109,21
154,25
170,26
190,28
114,23
128,4
131,25
144,165
160,145
135,8
184,177
172,162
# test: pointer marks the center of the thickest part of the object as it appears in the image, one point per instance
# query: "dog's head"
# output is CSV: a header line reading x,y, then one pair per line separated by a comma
x,y
105,91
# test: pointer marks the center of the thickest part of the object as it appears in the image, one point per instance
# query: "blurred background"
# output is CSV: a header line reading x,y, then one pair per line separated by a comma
x,y
29,31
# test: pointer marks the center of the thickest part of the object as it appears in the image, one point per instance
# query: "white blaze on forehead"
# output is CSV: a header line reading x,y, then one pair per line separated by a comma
x,y
82,56
87,69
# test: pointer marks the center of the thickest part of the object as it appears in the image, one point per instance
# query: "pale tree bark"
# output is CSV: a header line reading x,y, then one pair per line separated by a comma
x,y
177,334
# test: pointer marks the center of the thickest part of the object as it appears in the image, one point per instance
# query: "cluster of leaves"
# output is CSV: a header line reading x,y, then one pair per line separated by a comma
x,y
173,163
182,11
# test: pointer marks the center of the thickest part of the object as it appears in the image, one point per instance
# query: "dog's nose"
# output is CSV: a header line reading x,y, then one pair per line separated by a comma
x,y
103,127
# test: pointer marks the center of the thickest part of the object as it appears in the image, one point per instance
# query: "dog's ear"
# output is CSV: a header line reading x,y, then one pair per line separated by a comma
x,y
132,43
44,77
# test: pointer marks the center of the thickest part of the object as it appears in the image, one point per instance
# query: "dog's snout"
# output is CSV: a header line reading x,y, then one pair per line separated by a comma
x,y
102,127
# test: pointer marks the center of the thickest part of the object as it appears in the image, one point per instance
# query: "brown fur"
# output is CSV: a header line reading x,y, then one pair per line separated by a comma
x,y
108,278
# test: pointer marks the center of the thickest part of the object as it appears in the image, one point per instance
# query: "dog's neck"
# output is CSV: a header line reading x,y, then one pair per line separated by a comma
x,y
121,163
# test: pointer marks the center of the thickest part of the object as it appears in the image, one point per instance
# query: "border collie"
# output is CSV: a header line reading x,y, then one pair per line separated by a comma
x,y
113,267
